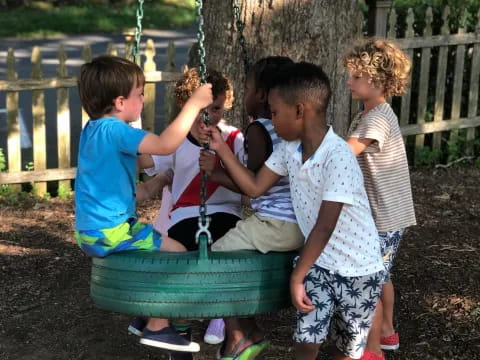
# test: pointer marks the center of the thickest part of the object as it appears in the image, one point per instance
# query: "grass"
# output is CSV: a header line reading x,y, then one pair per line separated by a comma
x,y
44,20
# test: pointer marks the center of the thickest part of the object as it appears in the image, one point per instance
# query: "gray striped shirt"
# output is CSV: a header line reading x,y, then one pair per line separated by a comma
x,y
385,168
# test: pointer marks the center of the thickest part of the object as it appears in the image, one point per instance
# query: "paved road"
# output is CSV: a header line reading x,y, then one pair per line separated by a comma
x,y
73,45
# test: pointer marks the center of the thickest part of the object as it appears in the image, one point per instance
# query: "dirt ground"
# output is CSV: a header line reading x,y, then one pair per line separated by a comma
x,y
46,312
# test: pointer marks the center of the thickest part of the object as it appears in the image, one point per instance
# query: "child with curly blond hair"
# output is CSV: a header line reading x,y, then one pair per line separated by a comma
x,y
378,69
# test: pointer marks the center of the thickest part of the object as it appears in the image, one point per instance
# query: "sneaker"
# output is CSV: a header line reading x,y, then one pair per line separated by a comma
x,y
367,355
391,342
215,333
168,339
137,325
183,355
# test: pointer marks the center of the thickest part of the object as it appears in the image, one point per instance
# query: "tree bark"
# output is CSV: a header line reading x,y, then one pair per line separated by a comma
x,y
306,30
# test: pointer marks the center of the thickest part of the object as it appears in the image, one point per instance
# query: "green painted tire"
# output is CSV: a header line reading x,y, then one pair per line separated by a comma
x,y
181,285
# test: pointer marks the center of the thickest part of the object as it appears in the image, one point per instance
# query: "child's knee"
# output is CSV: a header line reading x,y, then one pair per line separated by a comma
x,y
169,244
306,351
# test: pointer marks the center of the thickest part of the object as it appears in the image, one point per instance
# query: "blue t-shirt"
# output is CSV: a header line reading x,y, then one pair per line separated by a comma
x,y
106,175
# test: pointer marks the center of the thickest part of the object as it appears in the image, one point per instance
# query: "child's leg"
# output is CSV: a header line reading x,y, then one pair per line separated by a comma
x,y
243,333
357,299
169,244
155,324
390,242
312,328
388,299
373,342
245,235
304,351
152,187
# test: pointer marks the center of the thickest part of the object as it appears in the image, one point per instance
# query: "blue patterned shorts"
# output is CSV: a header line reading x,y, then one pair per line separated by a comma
x,y
389,244
344,309
128,236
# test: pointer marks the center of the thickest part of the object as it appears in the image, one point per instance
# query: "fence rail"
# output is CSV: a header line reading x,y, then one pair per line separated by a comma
x,y
442,100
62,83
444,92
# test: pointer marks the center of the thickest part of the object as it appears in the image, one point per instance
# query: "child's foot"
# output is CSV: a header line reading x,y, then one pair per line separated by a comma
x,y
137,325
246,348
168,339
391,342
215,333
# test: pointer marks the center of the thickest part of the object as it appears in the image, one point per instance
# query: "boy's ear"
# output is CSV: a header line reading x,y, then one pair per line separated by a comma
x,y
300,110
262,95
118,103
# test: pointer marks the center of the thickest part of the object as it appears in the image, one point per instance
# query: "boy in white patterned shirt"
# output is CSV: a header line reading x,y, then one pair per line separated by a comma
x,y
337,278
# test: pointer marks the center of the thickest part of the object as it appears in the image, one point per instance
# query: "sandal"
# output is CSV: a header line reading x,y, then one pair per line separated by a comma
x,y
248,353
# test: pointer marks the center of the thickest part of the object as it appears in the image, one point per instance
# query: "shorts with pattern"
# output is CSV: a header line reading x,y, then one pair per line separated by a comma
x,y
389,244
128,236
344,309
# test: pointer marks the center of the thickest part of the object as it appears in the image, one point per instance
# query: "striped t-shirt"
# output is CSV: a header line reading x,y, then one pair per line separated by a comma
x,y
276,202
385,168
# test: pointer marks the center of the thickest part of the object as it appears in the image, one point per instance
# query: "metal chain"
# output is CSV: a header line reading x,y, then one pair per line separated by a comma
x,y
241,37
203,219
138,31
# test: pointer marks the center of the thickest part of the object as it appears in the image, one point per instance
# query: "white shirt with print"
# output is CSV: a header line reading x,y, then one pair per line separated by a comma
x,y
332,174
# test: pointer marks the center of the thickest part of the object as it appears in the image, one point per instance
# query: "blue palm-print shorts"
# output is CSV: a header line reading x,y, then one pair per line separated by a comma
x,y
389,244
344,309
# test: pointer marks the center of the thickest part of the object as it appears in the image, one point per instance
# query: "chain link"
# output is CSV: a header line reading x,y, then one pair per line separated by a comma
x,y
138,31
241,37
203,220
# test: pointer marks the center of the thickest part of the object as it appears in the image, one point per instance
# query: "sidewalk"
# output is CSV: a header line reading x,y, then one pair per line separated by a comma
x,y
183,39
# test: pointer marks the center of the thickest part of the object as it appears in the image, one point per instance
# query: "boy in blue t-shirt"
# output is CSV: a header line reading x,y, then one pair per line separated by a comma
x,y
111,92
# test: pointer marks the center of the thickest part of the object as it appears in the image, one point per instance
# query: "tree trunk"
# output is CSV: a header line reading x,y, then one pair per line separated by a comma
x,y
305,30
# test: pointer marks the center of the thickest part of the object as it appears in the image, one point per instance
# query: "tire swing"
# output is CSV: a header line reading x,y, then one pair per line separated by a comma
x,y
197,284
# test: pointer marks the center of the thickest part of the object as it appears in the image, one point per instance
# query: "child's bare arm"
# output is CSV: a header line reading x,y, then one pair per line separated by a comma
x,y
171,138
316,242
145,161
258,151
218,175
250,184
152,187
358,145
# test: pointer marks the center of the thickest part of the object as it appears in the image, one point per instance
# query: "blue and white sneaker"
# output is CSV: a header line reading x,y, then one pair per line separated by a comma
x,y
182,355
137,325
168,339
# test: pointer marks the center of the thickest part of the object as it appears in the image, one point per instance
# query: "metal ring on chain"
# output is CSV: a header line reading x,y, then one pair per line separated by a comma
x,y
203,228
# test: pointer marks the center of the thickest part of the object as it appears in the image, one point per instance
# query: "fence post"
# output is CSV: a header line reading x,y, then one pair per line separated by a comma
x,y
406,98
377,17
39,132
441,79
129,36
86,56
458,78
111,49
13,128
148,122
63,121
171,108
474,85
424,77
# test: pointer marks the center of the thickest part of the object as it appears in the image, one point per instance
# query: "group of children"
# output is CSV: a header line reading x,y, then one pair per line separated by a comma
x,y
344,205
